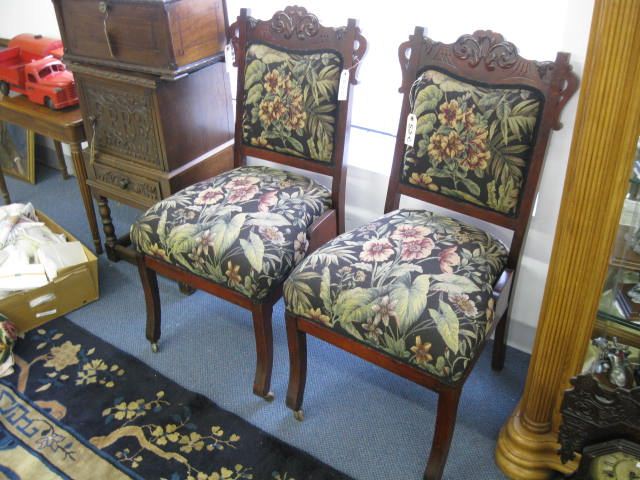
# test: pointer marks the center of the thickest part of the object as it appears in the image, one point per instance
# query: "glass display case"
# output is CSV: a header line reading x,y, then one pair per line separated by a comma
x,y
619,310
616,336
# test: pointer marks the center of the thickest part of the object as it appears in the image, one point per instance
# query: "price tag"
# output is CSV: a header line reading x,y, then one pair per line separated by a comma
x,y
343,87
229,57
410,132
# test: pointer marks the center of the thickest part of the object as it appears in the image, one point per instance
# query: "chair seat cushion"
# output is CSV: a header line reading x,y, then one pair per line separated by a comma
x,y
415,285
244,229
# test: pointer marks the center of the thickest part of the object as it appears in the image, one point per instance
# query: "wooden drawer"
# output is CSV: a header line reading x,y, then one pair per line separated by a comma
x,y
126,185
163,37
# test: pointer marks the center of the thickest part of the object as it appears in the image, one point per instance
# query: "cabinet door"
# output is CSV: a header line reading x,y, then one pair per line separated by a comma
x,y
121,120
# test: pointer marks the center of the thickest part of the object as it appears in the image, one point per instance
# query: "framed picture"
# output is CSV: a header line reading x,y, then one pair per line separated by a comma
x,y
17,152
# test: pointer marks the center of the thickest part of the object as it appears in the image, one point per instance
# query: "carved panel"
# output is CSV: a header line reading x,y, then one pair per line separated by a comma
x,y
125,182
592,413
124,123
295,20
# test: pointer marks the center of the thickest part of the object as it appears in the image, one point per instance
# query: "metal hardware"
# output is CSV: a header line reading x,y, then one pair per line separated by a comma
x,y
103,7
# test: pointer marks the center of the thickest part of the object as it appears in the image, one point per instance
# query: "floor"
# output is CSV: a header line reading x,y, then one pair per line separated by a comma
x,y
358,418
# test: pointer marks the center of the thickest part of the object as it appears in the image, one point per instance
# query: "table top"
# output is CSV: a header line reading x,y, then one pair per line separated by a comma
x,y
62,125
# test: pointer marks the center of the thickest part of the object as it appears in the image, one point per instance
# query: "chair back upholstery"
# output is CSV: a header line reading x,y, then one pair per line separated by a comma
x,y
288,111
481,115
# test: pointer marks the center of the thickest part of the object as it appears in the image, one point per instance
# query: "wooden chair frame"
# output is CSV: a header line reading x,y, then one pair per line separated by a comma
x,y
297,30
485,57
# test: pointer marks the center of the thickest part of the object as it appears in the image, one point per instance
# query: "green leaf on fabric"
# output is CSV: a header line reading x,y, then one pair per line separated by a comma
x,y
447,325
427,99
254,95
471,186
410,299
254,73
267,219
325,289
253,250
425,124
453,284
225,234
267,54
354,305
182,238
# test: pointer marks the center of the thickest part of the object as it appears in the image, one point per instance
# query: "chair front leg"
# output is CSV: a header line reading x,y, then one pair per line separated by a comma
x,y
445,424
149,281
500,343
297,340
264,349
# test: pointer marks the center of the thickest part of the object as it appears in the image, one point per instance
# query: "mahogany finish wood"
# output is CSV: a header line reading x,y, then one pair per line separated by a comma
x,y
310,35
61,126
484,57
3,188
165,38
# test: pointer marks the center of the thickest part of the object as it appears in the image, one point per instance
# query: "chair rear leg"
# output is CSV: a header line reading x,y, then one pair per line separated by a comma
x,y
445,424
264,349
297,341
500,343
149,281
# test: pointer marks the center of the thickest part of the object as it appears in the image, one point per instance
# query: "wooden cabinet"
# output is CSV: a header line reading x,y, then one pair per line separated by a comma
x,y
154,95
153,137
163,37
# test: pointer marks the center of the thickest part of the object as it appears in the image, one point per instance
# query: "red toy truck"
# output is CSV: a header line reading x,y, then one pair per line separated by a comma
x,y
30,66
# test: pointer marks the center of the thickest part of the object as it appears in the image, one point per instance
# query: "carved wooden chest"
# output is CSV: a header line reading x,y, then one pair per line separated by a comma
x,y
152,137
163,37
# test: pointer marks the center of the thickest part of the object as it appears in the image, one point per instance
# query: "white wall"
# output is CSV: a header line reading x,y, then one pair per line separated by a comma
x,y
539,29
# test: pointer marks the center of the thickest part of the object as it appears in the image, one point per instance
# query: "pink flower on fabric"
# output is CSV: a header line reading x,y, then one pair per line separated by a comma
x,y
272,234
417,249
242,193
376,251
240,182
300,245
209,196
267,200
410,232
448,259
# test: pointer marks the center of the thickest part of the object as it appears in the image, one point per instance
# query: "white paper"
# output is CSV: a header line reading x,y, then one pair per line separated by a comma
x,y
55,257
343,87
410,132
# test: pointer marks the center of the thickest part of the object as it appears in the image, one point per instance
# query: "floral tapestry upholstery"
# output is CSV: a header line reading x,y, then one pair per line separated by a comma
x,y
473,142
244,229
415,285
291,101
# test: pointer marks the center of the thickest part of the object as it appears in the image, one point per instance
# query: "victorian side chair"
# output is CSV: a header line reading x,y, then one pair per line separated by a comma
x,y
239,234
418,293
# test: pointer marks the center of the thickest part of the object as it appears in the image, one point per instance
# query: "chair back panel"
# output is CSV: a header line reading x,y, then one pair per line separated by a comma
x,y
484,115
291,101
473,141
289,72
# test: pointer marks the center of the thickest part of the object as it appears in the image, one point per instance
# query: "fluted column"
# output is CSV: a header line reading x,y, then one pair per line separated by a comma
x,y
605,136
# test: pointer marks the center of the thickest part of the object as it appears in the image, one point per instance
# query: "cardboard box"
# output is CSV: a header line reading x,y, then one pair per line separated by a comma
x,y
73,288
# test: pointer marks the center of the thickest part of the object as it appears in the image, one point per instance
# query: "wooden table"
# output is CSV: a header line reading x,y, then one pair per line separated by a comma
x,y
64,126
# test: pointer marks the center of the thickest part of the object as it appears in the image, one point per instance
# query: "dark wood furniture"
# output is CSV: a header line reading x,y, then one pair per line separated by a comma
x,y
154,97
3,188
63,126
162,37
483,58
593,413
297,31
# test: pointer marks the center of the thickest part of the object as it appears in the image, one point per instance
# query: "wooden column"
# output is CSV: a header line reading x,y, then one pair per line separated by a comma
x,y
604,140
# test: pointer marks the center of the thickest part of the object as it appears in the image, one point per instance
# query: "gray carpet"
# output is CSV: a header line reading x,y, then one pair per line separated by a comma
x,y
359,419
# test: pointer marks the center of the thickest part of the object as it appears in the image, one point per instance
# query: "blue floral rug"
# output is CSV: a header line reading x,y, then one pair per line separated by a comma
x,y
77,407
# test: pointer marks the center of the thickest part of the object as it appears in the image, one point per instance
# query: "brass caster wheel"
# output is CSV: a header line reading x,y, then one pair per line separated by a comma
x,y
298,415
269,397
154,347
